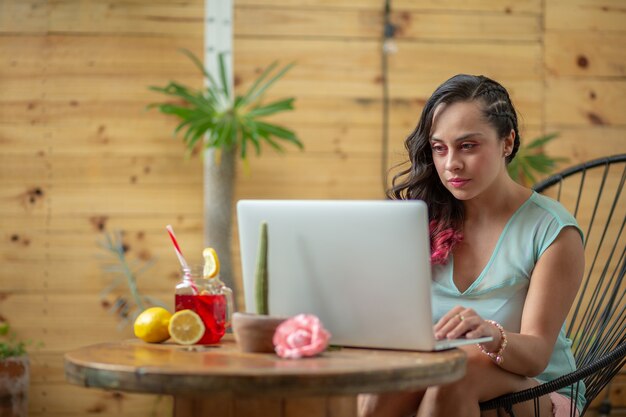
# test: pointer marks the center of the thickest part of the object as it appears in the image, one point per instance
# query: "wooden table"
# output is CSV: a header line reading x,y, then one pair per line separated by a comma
x,y
222,381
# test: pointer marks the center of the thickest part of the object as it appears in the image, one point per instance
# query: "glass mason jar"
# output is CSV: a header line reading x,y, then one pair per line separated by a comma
x,y
209,298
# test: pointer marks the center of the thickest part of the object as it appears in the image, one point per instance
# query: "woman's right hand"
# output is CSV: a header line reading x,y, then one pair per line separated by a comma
x,y
465,322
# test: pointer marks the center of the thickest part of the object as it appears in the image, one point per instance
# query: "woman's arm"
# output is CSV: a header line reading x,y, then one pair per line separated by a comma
x,y
553,286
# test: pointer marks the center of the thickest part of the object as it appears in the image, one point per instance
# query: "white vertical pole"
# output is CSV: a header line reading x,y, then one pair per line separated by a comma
x,y
218,36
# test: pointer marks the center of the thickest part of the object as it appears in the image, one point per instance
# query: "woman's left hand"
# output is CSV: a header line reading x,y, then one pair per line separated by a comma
x,y
465,322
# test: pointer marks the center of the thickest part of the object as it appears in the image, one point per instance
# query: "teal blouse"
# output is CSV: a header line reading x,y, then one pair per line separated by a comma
x,y
500,290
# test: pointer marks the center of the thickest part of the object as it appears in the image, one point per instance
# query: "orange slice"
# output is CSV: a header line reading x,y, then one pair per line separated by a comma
x,y
186,327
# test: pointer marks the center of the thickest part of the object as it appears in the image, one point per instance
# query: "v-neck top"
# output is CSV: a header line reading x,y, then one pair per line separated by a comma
x,y
499,292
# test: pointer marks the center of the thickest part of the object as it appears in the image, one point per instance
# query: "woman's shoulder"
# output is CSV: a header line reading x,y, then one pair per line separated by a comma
x,y
541,206
544,218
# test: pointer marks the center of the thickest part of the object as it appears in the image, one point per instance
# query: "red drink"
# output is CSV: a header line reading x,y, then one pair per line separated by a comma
x,y
212,311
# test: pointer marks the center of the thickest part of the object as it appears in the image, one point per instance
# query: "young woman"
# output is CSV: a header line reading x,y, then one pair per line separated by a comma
x,y
507,262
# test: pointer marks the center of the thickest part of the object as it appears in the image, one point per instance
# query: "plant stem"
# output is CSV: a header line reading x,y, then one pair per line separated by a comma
x,y
132,284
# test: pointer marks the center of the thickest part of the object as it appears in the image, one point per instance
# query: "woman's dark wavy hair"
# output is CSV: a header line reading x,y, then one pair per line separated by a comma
x,y
420,180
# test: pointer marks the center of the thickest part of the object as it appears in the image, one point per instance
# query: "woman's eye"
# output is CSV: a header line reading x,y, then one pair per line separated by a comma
x,y
468,146
438,148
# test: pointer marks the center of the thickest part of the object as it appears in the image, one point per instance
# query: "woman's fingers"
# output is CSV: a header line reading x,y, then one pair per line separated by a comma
x,y
462,327
448,317
459,322
449,322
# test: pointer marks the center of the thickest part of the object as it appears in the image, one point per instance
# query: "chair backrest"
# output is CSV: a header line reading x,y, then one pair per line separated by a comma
x,y
592,191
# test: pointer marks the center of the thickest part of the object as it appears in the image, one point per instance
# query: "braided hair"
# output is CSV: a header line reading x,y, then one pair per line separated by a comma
x,y
420,180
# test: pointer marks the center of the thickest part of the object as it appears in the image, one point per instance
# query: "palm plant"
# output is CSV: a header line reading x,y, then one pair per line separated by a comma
x,y
224,125
531,161
228,121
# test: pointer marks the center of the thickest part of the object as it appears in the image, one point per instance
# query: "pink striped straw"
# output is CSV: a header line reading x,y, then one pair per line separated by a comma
x,y
179,253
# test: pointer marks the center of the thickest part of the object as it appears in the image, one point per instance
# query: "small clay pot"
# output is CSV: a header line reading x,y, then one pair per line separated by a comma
x,y
254,332
14,382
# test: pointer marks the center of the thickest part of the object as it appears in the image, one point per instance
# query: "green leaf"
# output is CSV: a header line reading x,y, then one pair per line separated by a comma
x,y
212,137
189,135
182,112
273,144
191,138
223,134
246,98
4,328
223,76
513,169
259,92
194,119
233,132
531,159
238,102
200,66
194,141
180,126
527,173
274,107
242,149
192,98
280,132
540,141
275,130
253,136
540,163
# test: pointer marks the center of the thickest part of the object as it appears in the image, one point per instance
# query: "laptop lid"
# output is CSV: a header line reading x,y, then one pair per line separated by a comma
x,y
362,267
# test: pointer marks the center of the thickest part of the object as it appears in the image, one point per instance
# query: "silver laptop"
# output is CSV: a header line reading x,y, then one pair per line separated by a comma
x,y
362,267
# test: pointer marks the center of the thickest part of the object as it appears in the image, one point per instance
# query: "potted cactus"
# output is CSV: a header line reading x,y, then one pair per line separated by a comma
x,y
254,332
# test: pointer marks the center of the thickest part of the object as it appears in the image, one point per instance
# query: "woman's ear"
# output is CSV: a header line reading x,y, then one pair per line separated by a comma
x,y
509,141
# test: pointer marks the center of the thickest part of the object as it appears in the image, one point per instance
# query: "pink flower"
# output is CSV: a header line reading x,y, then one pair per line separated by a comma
x,y
300,336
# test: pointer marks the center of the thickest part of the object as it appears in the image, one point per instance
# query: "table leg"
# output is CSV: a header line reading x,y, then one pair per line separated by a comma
x,y
229,405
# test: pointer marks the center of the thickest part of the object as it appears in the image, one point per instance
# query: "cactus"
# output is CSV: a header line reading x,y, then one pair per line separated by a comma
x,y
260,282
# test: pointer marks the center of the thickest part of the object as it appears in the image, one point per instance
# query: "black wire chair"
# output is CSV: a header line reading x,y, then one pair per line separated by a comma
x,y
592,191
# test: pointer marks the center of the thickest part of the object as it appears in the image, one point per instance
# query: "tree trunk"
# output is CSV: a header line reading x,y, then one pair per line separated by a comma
x,y
219,183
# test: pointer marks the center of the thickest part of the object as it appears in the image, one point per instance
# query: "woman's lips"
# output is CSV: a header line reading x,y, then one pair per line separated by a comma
x,y
458,182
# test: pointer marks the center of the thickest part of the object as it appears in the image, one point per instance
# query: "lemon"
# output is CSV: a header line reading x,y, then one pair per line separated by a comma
x,y
211,263
186,327
151,325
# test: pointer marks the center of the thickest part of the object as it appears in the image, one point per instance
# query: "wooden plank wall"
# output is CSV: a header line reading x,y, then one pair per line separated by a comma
x,y
79,154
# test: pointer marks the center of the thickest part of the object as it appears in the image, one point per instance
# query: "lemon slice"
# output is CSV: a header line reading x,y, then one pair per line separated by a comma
x,y
151,325
211,263
186,327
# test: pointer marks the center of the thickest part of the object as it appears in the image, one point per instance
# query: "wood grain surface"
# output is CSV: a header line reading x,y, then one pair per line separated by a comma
x,y
173,369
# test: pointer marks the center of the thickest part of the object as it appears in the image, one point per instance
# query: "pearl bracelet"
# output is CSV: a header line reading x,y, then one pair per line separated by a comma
x,y
497,355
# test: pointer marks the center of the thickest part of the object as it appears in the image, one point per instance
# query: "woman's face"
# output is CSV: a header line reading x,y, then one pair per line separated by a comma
x,y
468,155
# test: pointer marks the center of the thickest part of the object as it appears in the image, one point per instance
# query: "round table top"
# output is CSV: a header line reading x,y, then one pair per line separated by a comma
x,y
173,369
